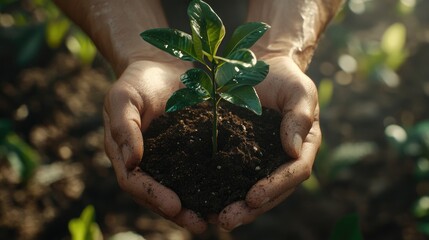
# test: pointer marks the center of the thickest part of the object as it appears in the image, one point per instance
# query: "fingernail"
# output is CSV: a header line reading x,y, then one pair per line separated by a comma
x,y
297,144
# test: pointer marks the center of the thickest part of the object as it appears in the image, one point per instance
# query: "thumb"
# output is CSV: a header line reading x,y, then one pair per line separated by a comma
x,y
298,117
125,123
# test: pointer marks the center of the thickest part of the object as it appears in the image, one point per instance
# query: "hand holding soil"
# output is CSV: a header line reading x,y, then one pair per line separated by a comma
x,y
289,91
133,102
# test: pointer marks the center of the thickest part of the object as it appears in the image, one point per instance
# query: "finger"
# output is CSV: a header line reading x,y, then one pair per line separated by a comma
x,y
143,188
240,213
123,109
189,219
298,115
288,175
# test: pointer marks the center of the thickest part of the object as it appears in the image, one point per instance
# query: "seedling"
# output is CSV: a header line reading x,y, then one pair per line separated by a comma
x,y
231,77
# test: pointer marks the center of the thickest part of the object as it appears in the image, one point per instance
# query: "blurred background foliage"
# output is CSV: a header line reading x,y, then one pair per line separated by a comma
x,y
371,68
28,28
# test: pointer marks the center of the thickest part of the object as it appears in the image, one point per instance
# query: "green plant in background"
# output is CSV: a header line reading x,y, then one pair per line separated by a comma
x,y
85,227
231,77
22,158
50,26
413,144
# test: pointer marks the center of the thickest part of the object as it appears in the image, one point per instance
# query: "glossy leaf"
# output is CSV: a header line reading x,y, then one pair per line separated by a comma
x,y
198,46
172,41
231,67
244,96
182,98
206,26
251,76
230,76
244,57
197,80
245,36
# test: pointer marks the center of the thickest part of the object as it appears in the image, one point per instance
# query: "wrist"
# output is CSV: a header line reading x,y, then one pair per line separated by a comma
x,y
115,27
296,26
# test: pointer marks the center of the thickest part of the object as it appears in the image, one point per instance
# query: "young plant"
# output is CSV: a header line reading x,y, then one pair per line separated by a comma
x,y
231,77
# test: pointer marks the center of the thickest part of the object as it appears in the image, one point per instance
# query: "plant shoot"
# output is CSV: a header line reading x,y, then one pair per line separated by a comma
x,y
231,76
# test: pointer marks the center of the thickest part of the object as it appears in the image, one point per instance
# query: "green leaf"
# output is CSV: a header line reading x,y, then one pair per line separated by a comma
x,y
245,36
244,57
198,46
250,76
175,42
244,96
85,227
230,76
81,46
198,80
23,158
56,31
206,26
232,66
182,98
347,229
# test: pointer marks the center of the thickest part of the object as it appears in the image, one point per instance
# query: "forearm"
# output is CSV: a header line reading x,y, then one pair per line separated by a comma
x,y
296,26
115,25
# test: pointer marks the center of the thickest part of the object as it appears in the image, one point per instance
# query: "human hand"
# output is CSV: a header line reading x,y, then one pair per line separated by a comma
x,y
139,96
288,90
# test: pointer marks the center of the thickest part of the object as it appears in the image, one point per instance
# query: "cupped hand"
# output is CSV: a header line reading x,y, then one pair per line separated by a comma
x,y
288,90
139,96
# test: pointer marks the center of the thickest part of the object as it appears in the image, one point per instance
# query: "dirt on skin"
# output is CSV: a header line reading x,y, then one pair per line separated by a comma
x,y
178,154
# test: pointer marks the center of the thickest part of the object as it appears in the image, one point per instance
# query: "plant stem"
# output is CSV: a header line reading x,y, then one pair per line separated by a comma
x,y
214,109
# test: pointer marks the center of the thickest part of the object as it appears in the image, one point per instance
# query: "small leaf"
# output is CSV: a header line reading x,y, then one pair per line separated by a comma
x,y
206,25
244,57
244,96
252,75
56,31
197,80
85,227
232,66
81,46
230,76
182,98
245,36
172,41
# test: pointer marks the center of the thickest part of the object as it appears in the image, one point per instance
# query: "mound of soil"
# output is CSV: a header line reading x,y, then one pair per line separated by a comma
x,y
178,154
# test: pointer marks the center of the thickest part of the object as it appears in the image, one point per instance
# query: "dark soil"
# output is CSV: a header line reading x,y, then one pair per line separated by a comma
x,y
178,154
